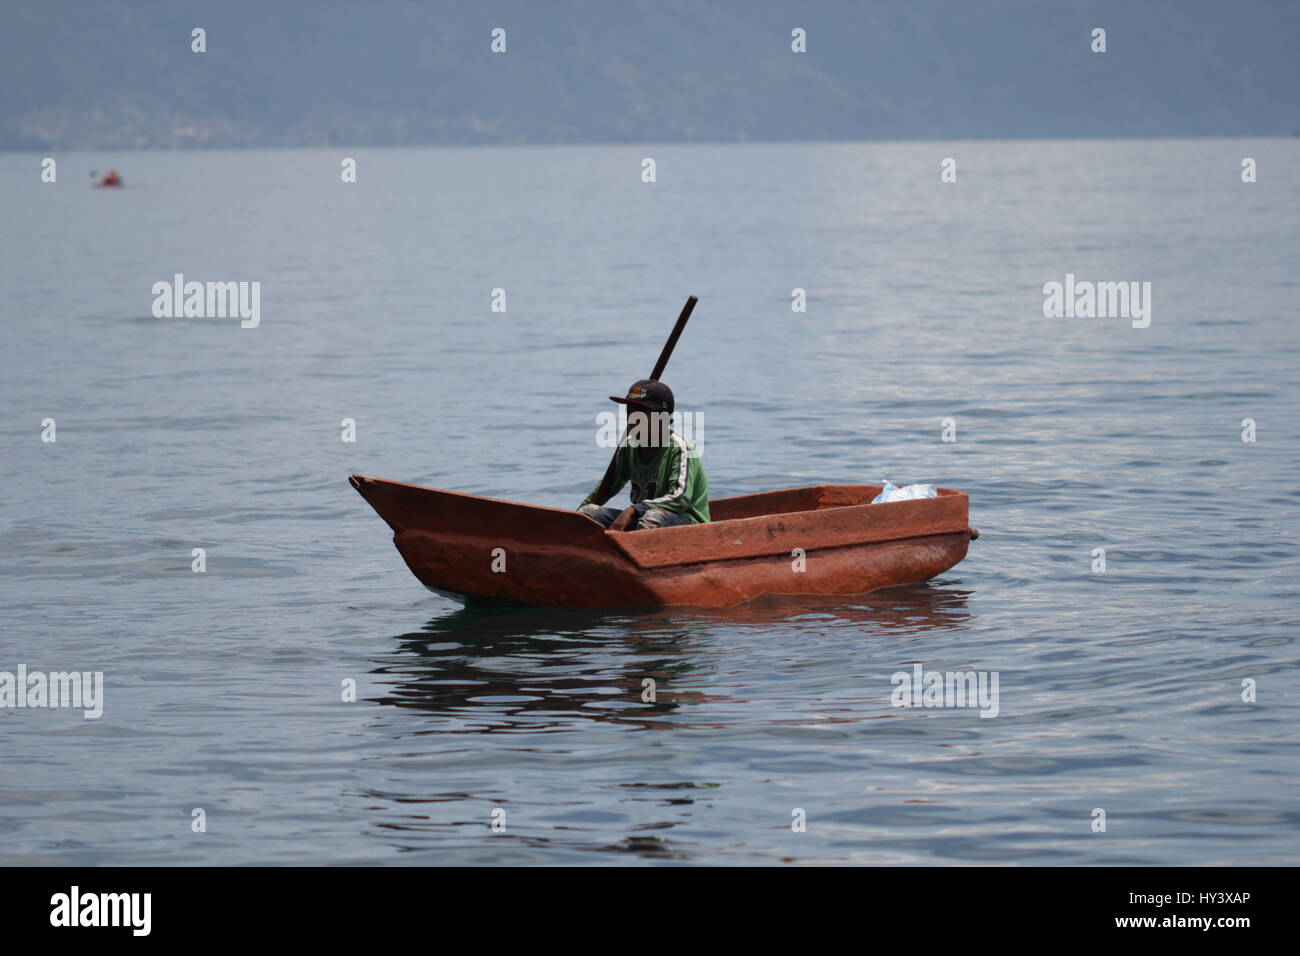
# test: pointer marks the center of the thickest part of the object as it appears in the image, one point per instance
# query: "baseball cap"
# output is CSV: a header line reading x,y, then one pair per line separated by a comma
x,y
648,394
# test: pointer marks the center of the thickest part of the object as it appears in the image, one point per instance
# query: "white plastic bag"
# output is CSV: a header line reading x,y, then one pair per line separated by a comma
x,y
893,493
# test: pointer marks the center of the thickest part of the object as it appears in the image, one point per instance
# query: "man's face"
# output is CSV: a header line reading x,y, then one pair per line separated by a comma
x,y
641,427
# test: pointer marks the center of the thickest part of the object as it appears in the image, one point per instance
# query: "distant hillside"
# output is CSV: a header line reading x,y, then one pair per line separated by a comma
x,y
302,72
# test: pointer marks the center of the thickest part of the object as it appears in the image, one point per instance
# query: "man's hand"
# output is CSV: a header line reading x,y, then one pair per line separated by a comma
x,y
622,521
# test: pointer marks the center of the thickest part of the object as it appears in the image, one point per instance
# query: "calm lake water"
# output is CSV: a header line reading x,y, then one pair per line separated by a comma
x,y
1119,690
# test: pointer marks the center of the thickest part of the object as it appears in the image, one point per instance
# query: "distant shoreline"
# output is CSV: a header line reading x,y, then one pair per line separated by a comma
x,y
617,144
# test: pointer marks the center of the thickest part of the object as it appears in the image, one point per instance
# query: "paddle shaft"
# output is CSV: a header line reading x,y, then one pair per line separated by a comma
x,y
664,356
671,344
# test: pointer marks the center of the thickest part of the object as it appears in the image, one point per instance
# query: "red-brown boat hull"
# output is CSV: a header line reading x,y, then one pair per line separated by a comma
x,y
824,539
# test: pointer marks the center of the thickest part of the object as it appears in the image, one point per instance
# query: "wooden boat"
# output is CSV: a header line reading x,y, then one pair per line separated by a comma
x,y
473,547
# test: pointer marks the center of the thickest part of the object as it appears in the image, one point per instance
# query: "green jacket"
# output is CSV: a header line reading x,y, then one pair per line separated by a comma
x,y
672,480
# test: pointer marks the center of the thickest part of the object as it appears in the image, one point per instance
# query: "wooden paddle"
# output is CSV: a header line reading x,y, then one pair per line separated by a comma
x,y
664,356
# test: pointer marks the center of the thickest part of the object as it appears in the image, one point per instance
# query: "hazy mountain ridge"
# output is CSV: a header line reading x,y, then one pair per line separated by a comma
x,y
295,73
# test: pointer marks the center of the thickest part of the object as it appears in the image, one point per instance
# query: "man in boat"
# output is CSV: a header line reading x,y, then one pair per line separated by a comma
x,y
668,483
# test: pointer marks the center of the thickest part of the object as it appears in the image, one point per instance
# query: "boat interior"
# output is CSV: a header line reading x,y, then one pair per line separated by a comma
x,y
790,500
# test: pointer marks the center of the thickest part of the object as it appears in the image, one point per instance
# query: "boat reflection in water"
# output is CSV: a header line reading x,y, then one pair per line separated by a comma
x,y
492,667
560,695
